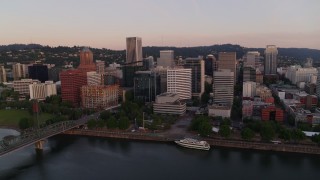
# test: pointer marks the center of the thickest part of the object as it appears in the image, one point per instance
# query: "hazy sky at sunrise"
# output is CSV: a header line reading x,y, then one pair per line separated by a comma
x,y
106,23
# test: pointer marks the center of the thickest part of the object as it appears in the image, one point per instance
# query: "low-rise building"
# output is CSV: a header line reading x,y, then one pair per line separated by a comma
x,y
263,92
22,86
216,110
169,103
99,97
40,91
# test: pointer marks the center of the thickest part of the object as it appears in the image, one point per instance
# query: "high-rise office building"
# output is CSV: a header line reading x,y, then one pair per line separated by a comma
x,y
227,60
163,77
71,82
223,87
179,82
270,63
3,74
148,63
211,64
38,71
318,83
251,59
166,58
249,74
134,51
86,60
197,67
94,78
146,86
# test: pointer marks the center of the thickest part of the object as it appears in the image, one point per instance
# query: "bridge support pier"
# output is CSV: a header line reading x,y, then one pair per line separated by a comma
x,y
39,146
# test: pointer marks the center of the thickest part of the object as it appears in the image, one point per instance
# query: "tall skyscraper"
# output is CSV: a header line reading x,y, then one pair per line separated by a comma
x,y
17,71
134,50
166,58
179,82
38,71
197,67
227,60
318,83
71,82
211,65
86,60
100,65
146,86
270,63
251,59
223,87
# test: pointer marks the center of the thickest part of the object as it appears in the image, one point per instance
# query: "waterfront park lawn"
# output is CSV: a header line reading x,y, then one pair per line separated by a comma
x,y
12,117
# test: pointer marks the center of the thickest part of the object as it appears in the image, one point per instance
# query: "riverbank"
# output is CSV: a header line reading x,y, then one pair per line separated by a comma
x,y
292,148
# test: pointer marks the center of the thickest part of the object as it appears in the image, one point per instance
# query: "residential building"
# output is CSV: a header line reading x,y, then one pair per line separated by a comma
x,y
99,97
179,82
263,92
197,70
40,91
223,87
134,51
227,60
270,65
169,103
146,86
166,58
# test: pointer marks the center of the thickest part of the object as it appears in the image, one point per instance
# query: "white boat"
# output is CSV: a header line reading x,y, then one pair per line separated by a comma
x,y
193,143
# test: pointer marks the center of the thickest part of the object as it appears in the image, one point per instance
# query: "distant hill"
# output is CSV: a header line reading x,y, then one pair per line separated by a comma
x,y
300,54
19,47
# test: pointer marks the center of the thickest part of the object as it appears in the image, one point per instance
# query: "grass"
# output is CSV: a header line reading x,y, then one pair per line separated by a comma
x,y
12,117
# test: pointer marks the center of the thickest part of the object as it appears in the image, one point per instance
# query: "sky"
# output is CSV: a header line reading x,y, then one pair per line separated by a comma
x,y
182,23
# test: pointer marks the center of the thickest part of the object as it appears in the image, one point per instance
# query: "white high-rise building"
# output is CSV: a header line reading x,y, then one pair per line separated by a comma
x,y
249,89
179,82
40,91
166,58
223,87
298,74
270,64
134,50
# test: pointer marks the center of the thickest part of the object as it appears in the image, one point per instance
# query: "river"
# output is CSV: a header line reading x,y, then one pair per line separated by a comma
x,y
72,157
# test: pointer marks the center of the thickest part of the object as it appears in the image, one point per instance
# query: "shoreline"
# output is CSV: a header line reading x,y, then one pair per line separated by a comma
x,y
227,143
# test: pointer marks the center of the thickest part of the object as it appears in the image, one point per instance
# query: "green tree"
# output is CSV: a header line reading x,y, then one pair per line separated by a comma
x,y
105,115
205,98
124,122
285,134
291,121
92,123
267,132
316,139
316,128
297,135
112,122
205,128
100,123
247,134
25,123
225,131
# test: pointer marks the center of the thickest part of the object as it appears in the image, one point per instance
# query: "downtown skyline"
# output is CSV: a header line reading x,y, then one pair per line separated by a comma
x,y
106,24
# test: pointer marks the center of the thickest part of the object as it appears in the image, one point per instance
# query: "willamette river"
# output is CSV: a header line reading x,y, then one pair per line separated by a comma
x,y
70,157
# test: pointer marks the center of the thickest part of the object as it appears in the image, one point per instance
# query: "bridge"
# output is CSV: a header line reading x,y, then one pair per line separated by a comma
x,y
38,136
